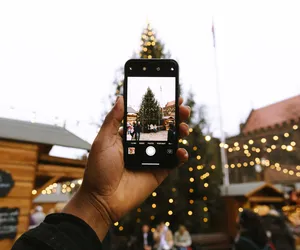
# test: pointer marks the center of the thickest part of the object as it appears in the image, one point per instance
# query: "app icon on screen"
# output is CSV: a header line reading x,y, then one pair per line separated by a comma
x,y
131,150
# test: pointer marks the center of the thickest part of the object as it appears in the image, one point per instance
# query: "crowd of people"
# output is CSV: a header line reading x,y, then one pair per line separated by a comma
x,y
163,239
134,131
267,232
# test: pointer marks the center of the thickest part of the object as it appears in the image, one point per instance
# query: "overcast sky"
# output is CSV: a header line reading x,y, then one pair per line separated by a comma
x,y
58,58
163,89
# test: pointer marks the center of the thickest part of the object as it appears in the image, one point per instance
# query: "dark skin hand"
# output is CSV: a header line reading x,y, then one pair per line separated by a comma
x,y
109,190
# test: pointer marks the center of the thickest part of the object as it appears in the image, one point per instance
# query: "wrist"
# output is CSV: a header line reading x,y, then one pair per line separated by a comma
x,y
86,207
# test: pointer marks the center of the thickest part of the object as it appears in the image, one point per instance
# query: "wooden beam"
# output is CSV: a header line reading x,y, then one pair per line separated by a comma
x,y
19,145
60,171
265,199
48,183
61,161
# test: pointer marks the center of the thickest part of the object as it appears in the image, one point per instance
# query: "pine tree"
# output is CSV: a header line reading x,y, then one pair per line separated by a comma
x,y
149,112
200,177
151,47
190,194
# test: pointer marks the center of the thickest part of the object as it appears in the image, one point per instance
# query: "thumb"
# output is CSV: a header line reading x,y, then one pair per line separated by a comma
x,y
113,119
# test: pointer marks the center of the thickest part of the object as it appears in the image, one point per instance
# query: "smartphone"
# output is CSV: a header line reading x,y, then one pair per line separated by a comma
x,y
151,93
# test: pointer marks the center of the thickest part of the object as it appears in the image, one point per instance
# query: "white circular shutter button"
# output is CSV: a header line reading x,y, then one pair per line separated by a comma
x,y
150,151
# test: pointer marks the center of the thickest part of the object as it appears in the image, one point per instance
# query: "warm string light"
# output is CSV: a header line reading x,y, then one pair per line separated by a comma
x,y
263,140
276,166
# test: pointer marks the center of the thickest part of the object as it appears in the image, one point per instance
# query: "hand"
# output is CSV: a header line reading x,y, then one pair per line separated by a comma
x,y
109,190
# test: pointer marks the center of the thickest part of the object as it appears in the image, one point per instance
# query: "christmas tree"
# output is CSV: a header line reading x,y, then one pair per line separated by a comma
x,y
200,177
151,47
149,112
190,194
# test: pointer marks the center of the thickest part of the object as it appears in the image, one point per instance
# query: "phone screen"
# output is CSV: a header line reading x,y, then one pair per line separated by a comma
x,y
151,121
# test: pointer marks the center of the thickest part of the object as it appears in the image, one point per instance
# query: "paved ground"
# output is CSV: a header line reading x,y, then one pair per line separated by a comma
x,y
158,136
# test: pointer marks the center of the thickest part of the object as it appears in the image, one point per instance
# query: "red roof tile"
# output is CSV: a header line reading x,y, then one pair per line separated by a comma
x,y
277,113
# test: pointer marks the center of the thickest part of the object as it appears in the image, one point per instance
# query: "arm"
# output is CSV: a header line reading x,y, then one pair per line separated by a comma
x,y
176,242
63,231
107,193
170,238
188,240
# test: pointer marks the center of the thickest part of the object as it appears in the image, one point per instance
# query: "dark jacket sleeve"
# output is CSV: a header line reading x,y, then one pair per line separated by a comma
x,y
59,232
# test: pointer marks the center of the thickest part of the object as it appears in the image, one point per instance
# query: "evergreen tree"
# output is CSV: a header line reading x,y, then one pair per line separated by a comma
x,y
151,47
149,112
190,195
200,177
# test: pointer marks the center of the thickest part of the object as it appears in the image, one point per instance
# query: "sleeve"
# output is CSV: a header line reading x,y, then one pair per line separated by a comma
x,y
59,231
176,239
188,240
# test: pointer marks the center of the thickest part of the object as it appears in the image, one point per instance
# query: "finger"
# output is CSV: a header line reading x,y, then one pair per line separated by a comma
x,y
112,121
180,101
184,129
184,112
182,155
121,131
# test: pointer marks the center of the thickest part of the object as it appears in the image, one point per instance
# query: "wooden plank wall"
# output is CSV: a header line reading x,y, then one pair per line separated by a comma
x,y
20,160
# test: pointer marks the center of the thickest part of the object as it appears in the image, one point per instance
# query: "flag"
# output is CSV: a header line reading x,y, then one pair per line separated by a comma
x,y
213,33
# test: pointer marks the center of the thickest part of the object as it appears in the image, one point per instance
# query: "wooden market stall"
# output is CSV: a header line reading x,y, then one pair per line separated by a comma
x,y
25,165
248,195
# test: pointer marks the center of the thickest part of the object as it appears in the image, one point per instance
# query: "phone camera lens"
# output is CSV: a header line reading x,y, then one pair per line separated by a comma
x,y
158,68
172,69
130,68
144,68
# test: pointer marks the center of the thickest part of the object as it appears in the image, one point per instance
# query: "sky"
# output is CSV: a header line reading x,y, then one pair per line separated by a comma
x,y
59,58
163,89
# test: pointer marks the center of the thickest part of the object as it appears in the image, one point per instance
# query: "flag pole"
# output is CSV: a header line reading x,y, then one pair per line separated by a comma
x,y
224,160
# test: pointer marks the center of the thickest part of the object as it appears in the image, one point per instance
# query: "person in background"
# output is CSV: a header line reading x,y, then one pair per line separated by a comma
x,y
37,217
164,237
182,238
155,128
252,235
171,133
278,230
151,127
145,239
138,130
108,192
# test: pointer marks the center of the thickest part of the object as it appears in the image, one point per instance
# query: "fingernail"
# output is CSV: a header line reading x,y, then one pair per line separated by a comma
x,y
186,155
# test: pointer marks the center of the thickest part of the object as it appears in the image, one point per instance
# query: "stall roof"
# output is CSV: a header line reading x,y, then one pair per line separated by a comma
x,y
131,110
246,189
24,131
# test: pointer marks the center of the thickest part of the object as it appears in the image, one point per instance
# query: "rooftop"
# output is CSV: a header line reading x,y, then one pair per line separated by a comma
x,y
275,114
245,189
24,131
131,110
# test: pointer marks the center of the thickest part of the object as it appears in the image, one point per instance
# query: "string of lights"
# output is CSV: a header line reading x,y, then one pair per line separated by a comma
x,y
265,162
236,146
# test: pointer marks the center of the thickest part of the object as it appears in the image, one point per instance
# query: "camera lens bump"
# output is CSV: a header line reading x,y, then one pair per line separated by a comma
x,y
158,68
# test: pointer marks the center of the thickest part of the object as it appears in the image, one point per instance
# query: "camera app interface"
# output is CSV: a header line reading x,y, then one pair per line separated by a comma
x,y
150,127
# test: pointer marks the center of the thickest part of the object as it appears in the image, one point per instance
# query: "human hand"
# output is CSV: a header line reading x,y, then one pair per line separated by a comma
x,y
109,190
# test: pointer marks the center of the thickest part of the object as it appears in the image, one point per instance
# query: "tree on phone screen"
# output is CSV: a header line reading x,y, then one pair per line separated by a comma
x,y
149,112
